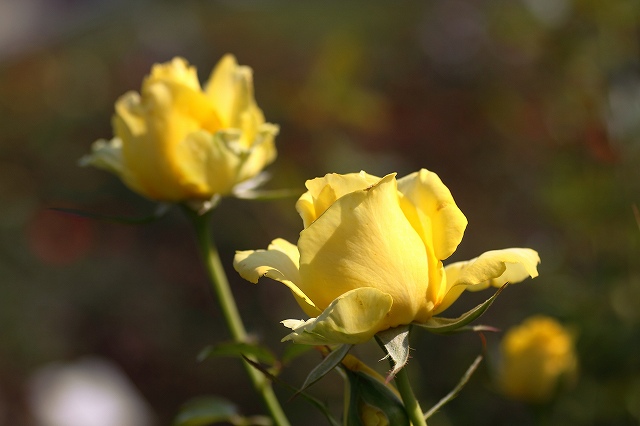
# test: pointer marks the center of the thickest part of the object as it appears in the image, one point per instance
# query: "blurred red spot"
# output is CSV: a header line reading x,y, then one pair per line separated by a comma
x,y
599,144
59,238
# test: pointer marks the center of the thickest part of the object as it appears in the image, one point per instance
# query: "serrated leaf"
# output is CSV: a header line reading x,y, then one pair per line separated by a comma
x,y
293,351
206,410
396,344
238,350
160,211
328,363
441,325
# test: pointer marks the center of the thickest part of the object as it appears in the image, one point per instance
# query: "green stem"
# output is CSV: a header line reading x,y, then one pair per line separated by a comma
x,y
220,286
411,404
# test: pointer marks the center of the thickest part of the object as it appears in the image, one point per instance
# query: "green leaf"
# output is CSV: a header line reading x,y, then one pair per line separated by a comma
x,y
396,344
440,325
328,363
238,350
206,410
160,211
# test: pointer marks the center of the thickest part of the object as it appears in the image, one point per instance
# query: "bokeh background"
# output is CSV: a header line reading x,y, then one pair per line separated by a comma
x,y
529,110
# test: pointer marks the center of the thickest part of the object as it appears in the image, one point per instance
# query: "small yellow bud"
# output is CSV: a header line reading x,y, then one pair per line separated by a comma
x,y
537,357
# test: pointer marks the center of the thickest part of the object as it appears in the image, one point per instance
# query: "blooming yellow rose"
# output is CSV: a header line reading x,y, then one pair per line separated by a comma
x,y
177,142
536,356
370,256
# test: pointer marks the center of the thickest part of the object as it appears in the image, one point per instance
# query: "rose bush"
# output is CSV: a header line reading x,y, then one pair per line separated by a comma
x,y
370,256
175,141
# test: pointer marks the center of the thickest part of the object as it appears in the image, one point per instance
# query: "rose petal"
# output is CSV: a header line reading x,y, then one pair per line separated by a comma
x,y
207,163
279,262
446,223
323,192
352,318
492,268
230,88
365,240
149,143
106,155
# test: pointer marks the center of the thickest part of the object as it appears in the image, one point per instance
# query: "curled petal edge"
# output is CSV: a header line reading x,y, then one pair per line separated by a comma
x,y
491,269
279,262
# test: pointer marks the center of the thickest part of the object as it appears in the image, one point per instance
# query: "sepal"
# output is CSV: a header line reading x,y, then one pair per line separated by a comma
x,y
331,361
351,318
396,344
439,325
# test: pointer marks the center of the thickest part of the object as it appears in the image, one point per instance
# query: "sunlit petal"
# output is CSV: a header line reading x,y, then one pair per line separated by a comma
x,y
446,224
492,268
323,192
365,240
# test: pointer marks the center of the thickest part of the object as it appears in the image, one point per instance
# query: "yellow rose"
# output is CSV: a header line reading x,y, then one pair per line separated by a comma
x,y
176,142
370,256
536,356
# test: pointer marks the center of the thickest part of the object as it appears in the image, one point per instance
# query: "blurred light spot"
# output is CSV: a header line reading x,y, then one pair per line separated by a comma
x,y
453,33
169,29
27,25
624,107
549,12
17,19
18,195
58,238
90,392
624,300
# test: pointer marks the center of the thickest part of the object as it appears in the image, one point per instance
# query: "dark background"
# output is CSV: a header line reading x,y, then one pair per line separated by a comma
x,y
528,110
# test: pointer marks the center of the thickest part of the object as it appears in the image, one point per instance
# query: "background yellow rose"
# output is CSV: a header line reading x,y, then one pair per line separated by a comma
x,y
175,141
538,356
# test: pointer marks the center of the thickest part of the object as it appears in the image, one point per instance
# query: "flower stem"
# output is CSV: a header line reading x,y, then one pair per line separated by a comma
x,y
411,404
220,286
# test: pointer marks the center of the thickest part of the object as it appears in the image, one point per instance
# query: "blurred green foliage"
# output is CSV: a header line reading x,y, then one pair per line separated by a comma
x,y
529,110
